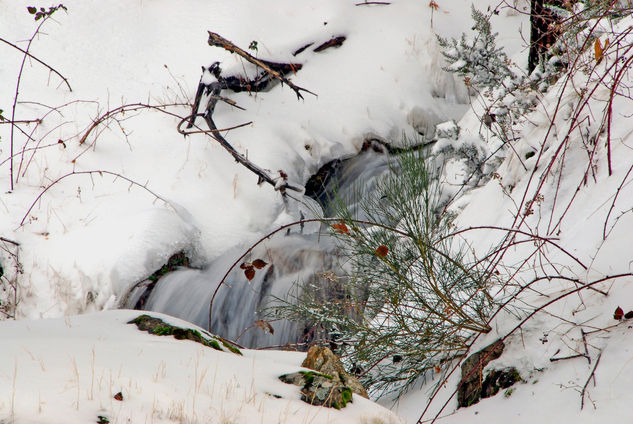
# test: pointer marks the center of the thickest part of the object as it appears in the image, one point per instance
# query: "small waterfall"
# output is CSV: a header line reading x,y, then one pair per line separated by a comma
x,y
293,258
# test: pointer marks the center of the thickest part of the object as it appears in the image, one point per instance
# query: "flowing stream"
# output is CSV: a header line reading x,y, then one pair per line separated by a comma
x,y
300,255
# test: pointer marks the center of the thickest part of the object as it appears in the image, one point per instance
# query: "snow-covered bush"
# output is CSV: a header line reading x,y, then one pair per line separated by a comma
x,y
479,60
505,92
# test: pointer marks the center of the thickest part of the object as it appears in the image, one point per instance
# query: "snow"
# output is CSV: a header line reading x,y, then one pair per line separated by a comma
x,y
161,379
92,219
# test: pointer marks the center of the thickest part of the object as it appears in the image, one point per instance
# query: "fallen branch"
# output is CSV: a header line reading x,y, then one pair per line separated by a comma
x,y
278,184
211,92
217,40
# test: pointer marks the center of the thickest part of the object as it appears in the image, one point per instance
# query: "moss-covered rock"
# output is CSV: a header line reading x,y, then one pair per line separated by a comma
x,y
175,261
322,359
329,384
159,327
320,389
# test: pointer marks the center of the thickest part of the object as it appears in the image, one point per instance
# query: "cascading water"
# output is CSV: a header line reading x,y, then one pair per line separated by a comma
x,y
293,258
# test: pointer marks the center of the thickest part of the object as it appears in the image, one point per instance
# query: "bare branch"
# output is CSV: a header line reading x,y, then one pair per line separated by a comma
x,y
100,172
591,376
39,61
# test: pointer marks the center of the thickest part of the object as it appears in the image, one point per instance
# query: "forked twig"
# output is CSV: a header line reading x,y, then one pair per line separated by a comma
x,y
591,376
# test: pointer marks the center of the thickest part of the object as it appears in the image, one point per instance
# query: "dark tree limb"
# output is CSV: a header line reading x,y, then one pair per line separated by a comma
x,y
213,90
6,240
261,173
333,42
536,31
272,71
217,40
543,32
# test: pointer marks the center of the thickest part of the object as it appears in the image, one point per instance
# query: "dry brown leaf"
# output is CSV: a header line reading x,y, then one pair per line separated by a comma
x,y
382,251
259,263
265,326
341,228
249,272
599,50
618,314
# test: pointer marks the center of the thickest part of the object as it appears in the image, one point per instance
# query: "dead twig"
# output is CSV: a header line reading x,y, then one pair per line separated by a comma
x,y
6,240
579,355
130,107
17,87
39,61
15,99
562,358
210,132
23,121
591,376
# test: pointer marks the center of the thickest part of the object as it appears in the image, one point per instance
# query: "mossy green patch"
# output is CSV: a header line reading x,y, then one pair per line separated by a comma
x,y
159,327
346,395
162,331
308,376
230,347
214,344
176,260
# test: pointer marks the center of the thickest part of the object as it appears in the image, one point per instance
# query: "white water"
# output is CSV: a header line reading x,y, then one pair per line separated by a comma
x,y
293,259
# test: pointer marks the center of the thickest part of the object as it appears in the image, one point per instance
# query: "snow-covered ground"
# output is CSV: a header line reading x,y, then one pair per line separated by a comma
x,y
92,219
70,370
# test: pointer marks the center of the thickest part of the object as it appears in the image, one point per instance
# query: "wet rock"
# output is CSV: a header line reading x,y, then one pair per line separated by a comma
x,y
470,387
499,379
